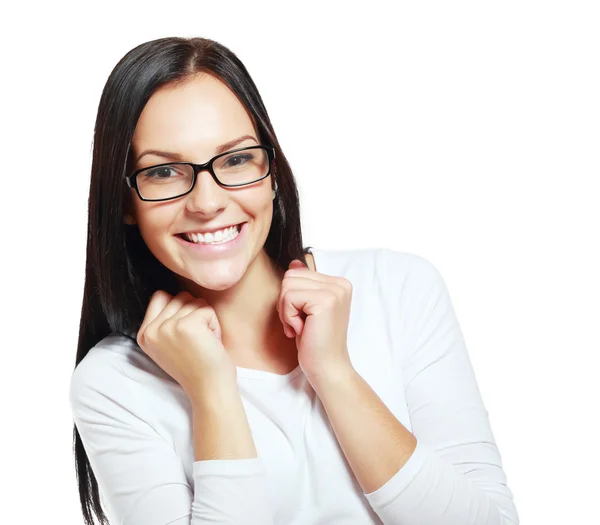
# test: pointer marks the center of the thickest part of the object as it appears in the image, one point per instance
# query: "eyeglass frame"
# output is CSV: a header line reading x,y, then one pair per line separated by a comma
x,y
131,180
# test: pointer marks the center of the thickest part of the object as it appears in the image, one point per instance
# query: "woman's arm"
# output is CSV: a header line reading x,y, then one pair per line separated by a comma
x,y
374,442
220,425
449,472
139,474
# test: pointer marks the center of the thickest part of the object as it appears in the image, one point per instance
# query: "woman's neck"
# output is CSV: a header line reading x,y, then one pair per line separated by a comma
x,y
251,329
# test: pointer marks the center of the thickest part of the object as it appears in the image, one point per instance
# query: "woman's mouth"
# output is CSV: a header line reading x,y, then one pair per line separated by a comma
x,y
227,241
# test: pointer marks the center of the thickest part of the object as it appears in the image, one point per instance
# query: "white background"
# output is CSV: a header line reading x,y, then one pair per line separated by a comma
x,y
465,132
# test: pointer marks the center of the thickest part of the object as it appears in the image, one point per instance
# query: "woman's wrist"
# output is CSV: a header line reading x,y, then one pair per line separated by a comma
x,y
220,425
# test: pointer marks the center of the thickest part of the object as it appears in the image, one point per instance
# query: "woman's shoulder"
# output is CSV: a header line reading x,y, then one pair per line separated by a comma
x,y
384,265
111,352
105,359
106,370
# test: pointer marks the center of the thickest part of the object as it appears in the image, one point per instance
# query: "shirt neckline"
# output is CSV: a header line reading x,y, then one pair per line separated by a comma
x,y
272,377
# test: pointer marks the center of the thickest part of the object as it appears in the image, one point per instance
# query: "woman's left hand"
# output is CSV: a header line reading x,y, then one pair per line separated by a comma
x,y
315,308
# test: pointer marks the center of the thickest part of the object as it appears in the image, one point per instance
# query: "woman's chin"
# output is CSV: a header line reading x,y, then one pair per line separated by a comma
x,y
217,275
219,285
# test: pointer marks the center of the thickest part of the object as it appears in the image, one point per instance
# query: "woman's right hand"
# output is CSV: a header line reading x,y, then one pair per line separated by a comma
x,y
182,335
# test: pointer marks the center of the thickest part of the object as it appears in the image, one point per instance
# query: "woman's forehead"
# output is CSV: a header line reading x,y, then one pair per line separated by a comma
x,y
201,114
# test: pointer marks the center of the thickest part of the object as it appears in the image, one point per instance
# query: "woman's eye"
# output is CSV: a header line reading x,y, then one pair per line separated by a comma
x,y
237,160
160,173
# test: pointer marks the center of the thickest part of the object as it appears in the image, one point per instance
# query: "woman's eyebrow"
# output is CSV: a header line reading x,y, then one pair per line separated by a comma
x,y
176,156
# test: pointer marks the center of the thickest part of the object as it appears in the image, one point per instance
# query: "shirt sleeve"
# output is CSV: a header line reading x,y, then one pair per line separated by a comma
x,y
140,477
455,474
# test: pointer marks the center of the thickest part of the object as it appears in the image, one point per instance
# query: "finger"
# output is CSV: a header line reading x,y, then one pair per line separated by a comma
x,y
157,303
204,314
295,283
189,307
292,309
299,304
307,273
172,307
287,329
318,282
297,263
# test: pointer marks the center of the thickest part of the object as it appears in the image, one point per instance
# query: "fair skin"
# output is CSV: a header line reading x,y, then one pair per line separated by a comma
x,y
193,120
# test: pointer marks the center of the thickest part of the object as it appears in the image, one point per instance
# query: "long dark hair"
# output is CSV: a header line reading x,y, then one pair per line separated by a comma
x,y
121,273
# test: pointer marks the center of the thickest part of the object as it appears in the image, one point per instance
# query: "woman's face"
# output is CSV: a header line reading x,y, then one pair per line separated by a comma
x,y
193,120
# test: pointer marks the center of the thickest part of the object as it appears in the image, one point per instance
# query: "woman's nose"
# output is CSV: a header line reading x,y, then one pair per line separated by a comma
x,y
207,195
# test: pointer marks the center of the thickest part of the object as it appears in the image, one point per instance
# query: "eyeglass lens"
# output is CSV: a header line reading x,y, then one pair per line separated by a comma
x,y
172,180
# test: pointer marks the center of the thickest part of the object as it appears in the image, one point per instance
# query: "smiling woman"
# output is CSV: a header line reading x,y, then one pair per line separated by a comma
x,y
223,375
178,108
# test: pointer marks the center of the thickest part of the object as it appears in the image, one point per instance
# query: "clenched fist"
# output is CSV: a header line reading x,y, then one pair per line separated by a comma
x,y
182,335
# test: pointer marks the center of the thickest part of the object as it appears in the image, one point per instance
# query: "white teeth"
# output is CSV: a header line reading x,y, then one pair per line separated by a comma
x,y
218,237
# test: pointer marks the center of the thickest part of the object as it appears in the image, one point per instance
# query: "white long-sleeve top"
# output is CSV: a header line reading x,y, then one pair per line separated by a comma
x,y
135,422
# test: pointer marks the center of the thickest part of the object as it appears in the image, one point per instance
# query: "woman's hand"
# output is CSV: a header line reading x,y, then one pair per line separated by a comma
x,y
182,335
315,308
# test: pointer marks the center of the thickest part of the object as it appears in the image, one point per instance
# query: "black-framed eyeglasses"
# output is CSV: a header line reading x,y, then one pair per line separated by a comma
x,y
237,167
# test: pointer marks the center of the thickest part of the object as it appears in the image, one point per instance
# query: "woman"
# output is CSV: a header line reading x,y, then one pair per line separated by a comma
x,y
225,374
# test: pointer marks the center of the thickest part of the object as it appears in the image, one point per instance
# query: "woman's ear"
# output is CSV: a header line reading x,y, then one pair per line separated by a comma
x,y
128,219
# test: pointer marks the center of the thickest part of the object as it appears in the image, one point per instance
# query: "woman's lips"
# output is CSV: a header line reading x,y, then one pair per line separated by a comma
x,y
226,247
